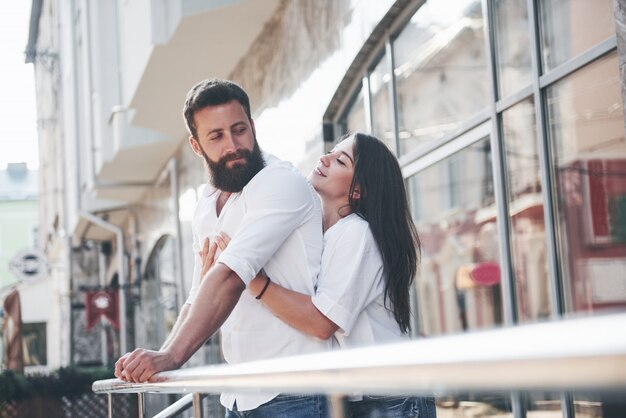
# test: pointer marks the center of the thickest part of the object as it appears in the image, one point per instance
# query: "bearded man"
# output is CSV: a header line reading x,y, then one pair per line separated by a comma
x,y
274,218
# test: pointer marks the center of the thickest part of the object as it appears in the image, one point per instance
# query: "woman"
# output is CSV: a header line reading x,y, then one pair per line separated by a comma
x,y
370,257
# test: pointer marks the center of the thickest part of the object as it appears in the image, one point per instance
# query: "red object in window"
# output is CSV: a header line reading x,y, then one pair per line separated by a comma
x,y
486,274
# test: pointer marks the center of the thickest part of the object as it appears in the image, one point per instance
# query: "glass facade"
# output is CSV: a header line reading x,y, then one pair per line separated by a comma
x,y
586,132
526,222
382,113
355,119
440,70
570,27
512,40
452,206
526,212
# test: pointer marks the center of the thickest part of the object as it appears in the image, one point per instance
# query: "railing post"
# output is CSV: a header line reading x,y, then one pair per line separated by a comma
x,y
336,406
141,405
110,402
197,405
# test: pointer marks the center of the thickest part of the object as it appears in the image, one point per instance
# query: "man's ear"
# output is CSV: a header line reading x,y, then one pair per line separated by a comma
x,y
195,146
253,127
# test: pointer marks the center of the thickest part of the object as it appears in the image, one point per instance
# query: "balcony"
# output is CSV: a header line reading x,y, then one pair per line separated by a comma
x,y
185,41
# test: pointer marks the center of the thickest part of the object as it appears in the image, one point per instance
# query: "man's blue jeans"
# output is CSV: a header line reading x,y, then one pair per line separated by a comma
x,y
287,406
392,407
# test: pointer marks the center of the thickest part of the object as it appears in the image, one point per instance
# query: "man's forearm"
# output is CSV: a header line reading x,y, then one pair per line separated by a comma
x,y
184,312
217,296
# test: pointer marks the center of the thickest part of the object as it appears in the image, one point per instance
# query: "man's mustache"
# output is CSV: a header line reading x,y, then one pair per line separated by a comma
x,y
234,156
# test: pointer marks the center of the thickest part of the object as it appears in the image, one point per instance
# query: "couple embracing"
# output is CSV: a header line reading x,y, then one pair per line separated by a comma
x,y
287,265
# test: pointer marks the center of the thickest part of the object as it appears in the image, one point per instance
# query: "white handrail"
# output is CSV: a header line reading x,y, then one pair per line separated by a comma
x,y
572,354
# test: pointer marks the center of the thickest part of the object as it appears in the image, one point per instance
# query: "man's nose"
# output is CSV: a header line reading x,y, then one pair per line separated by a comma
x,y
230,143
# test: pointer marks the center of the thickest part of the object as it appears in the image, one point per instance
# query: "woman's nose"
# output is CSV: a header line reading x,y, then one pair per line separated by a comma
x,y
324,159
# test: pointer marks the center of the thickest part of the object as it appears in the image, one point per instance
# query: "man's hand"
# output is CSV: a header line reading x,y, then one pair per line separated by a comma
x,y
119,367
140,365
219,292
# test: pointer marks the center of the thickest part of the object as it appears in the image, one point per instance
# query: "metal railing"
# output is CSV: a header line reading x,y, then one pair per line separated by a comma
x,y
573,354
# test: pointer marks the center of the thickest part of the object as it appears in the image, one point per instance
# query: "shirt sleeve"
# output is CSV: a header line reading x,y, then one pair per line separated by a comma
x,y
351,277
278,200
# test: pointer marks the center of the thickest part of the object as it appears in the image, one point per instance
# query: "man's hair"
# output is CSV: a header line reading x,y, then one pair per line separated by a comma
x,y
212,92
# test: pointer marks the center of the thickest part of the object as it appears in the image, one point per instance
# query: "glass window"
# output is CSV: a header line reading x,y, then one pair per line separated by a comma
x,y
382,113
441,71
570,27
452,203
594,405
528,238
355,116
512,46
543,404
34,343
586,128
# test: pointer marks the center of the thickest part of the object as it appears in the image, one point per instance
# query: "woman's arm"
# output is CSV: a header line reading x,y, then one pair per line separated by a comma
x,y
293,308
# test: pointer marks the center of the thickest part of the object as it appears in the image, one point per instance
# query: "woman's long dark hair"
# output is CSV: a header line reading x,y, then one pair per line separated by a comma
x,y
383,204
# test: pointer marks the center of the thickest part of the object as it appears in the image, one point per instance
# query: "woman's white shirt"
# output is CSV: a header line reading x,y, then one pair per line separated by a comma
x,y
350,290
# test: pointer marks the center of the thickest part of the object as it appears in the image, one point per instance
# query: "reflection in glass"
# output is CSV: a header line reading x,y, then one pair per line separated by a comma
x,y
586,127
528,238
441,71
597,406
543,404
570,27
382,126
452,203
355,116
513,46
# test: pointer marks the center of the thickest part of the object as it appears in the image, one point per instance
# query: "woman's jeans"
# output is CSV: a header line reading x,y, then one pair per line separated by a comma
x,y
392,407
287,406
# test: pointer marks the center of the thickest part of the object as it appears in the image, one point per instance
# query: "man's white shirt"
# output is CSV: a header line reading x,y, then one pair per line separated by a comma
x,y
275,224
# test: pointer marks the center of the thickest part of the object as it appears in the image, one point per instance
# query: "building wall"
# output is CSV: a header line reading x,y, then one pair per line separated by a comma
x,y
55,162
18,226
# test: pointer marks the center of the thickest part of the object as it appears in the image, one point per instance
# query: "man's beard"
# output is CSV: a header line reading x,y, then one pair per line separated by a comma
x,y
235,178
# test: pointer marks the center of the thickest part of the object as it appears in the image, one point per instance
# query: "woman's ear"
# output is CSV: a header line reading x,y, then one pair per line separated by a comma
x,y
356,193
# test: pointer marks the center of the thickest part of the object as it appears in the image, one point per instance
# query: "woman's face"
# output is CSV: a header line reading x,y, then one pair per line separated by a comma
x,y
333,174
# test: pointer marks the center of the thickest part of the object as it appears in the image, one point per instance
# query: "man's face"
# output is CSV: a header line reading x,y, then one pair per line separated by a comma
x,y
227,143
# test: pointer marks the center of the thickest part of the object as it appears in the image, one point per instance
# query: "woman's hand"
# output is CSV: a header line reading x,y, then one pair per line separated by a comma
x,y
209,249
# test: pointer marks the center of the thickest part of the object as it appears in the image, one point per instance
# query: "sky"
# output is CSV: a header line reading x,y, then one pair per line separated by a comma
x,y
18,115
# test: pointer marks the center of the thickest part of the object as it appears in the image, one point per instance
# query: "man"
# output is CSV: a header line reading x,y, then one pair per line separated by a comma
x,y
274,218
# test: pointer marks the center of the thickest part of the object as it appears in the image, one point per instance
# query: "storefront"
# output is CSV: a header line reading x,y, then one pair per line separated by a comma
x,y
507,119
